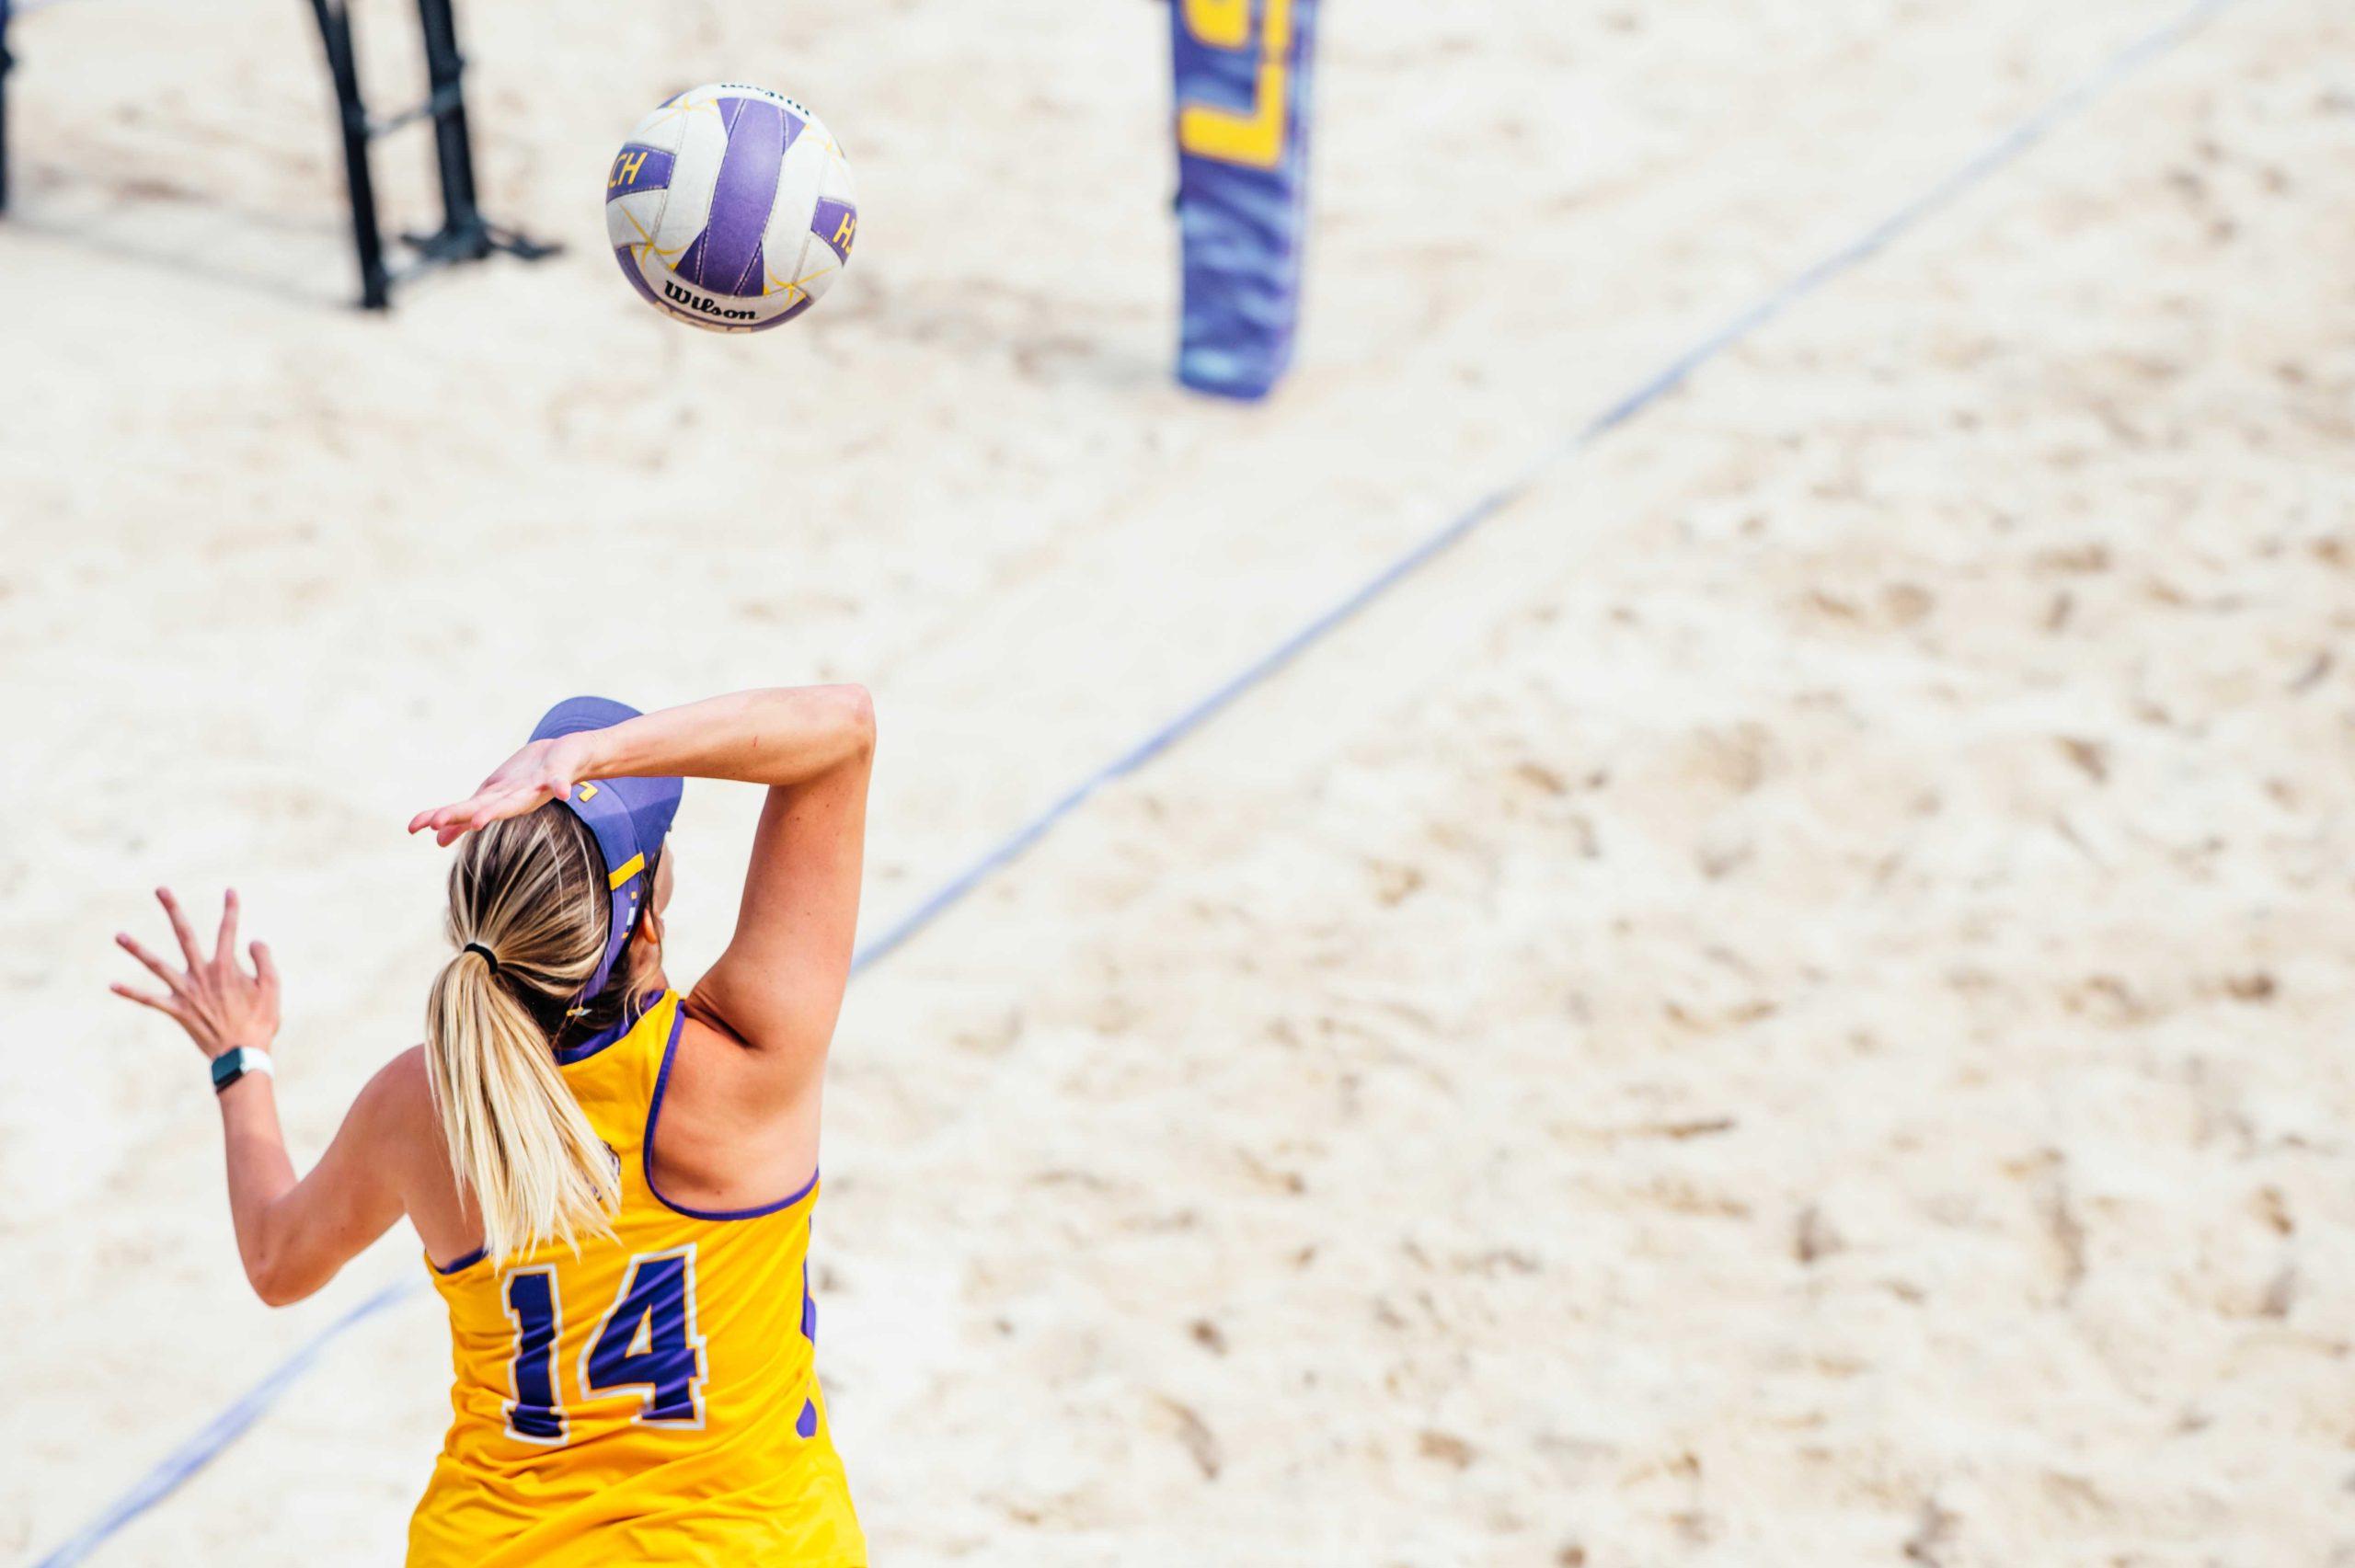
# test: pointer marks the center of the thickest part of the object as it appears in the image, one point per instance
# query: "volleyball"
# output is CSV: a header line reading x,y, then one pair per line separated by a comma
x,y
730,208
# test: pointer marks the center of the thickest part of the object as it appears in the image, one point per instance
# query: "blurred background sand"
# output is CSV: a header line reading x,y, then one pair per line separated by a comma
x,y
1786,1005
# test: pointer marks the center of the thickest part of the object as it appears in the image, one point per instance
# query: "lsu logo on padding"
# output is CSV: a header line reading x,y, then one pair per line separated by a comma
x,y
1252,135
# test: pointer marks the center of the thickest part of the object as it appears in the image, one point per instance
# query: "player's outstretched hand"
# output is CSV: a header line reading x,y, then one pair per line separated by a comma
x,y
219,1005
540,772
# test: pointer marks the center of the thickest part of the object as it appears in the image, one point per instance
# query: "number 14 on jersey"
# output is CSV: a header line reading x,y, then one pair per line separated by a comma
x,y
646,1340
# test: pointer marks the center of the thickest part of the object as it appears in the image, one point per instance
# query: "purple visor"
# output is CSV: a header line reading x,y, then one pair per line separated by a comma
x,y
628,818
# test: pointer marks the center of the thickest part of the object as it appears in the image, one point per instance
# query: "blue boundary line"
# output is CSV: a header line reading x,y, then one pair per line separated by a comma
x,y
224,1429
231,1423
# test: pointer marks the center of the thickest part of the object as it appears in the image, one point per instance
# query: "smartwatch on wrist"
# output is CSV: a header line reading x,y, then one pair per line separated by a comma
x,y
235,1062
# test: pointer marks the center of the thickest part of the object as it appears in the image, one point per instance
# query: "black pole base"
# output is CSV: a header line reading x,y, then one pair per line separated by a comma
x,y
474,242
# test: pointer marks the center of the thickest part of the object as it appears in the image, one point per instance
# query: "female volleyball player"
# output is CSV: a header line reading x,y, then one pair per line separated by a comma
x,y
612,1182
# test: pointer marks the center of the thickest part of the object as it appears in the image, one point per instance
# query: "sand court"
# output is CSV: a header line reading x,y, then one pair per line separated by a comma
x,y
1780,1006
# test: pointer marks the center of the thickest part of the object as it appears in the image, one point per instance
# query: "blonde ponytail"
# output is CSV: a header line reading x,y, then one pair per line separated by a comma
x,y
528,910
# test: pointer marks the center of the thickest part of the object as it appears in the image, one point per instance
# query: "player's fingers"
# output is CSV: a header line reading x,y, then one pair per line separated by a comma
x,y
449,822
265,967
162,1004
438,815
225,945
180,927
156,967
483,810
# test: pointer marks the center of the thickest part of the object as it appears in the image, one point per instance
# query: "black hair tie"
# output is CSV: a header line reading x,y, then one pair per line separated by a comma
x,y
488,956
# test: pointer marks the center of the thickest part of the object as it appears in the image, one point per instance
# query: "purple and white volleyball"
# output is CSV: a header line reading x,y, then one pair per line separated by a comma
x,y
730,208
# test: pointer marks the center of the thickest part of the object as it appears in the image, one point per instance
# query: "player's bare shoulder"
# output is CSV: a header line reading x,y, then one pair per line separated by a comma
x,y
396,1111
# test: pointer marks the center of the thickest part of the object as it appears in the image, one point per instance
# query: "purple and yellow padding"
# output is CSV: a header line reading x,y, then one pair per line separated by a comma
x,y
1242,112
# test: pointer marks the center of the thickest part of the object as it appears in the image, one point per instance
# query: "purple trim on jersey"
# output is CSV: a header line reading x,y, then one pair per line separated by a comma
x,y
807,1422
726,257
836,222
638,168
645,1155
460,1266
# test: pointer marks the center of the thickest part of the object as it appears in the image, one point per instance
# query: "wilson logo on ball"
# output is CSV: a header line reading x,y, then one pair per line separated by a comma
x,y
700,305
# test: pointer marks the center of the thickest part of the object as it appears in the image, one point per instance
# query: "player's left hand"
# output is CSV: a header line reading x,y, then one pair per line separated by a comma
x,y
219,1005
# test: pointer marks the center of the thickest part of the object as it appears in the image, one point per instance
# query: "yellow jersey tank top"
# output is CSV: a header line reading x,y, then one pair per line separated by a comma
x,y
652,1401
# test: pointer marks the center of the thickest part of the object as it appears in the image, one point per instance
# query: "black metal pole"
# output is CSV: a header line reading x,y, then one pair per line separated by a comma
x,y
462,221
335,31
6,60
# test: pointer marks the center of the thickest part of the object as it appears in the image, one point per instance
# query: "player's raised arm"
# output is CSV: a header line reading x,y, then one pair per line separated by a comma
x,y
779,986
